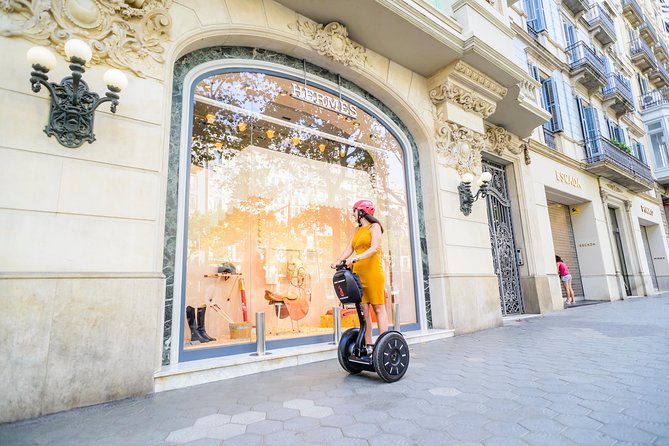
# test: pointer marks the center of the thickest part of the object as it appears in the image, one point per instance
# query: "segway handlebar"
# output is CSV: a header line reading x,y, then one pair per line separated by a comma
x,y
342,265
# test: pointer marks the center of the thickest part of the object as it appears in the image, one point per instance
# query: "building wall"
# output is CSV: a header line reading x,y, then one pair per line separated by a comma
x,y
90,312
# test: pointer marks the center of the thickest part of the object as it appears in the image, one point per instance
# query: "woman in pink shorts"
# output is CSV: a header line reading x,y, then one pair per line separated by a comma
x,y
565,278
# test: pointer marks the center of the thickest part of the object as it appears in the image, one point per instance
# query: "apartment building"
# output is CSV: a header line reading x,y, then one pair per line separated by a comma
x,y
601,156
139,247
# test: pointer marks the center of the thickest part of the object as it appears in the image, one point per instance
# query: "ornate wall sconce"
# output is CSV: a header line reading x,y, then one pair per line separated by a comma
x,y
72,105
465,190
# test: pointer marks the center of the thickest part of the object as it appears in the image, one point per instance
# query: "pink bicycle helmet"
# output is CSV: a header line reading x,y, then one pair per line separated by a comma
x,y
365,206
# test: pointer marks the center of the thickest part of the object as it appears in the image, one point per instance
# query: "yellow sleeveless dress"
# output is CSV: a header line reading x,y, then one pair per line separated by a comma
x,y
370,269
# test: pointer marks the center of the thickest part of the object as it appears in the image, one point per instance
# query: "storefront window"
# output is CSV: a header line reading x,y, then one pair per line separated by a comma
x,y
276,166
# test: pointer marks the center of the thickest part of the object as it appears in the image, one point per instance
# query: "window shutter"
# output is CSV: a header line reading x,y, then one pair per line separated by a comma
x,y
535,15
551,104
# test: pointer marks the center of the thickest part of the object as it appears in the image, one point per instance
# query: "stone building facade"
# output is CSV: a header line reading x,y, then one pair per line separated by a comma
x,y
227,174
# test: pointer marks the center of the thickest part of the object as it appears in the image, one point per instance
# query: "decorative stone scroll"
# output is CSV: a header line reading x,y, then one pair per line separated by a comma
x,y
332,40
468,100
527,91
127,34
459,147
480,78
500,139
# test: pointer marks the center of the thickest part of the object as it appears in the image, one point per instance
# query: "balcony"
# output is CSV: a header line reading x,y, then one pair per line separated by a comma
x,y
662,52
642,56
586,66
633,12
601,25
659,76
577,6
617,94
654,98
608,161
648,33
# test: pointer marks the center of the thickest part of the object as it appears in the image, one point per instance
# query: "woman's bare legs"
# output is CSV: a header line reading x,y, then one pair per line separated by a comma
x,y
381,317
571,291
368,322
381,320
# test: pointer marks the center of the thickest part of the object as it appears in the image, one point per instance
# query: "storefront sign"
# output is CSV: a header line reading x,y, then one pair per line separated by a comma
x,y
306,94
647,211
567,179
585,245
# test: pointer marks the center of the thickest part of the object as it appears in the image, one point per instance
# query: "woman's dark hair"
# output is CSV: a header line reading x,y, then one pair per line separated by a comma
x,y
558,259
370,218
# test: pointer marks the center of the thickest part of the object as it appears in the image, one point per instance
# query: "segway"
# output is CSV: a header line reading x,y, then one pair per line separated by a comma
x,y
390,357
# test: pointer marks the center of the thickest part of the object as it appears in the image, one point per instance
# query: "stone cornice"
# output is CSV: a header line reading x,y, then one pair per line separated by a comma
x,y
541,149
480,78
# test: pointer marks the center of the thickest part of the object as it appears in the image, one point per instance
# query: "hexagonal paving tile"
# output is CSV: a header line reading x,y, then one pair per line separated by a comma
x,y
248,417
213,420
226,431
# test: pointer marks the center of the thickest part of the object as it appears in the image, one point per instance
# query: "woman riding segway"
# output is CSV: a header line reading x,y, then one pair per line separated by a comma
x,y
363,257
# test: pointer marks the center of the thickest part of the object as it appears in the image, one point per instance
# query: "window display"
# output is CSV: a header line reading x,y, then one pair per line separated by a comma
x,y
275,166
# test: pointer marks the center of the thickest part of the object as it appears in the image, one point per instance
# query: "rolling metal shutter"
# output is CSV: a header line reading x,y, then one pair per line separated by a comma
x,y
563,243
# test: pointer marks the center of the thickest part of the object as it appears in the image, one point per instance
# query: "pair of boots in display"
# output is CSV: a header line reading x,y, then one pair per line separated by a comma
x,y
197,332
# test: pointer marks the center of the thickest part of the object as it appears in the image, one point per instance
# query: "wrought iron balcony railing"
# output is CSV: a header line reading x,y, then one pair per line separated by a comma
x,y
586,66
626,169
659,76
642,56
601,24
616,83
654,98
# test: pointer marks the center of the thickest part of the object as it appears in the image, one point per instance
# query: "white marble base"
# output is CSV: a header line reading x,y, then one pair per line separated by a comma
x,y
208,370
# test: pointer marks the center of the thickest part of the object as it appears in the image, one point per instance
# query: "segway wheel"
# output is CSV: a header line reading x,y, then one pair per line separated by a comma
x,y
391,356
345,350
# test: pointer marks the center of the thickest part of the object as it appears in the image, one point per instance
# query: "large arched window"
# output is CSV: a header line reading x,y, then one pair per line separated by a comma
x,y
275,166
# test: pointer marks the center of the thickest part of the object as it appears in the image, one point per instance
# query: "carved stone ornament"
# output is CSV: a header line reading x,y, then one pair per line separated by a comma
x,y
499,139
332,40
526,153
604,194
480,78
126,34
459,147
466,99
527,92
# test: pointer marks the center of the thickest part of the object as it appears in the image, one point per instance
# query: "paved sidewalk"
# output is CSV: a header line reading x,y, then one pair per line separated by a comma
x,y
595,375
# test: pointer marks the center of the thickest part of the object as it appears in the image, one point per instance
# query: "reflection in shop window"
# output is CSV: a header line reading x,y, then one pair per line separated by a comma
x,y
273,178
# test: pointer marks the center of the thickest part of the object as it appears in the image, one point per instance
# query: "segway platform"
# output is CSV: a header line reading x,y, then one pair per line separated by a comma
x,y
390,356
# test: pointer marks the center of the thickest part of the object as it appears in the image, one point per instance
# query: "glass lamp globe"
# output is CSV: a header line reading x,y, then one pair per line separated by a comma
x,y
115,80
40,56
78,49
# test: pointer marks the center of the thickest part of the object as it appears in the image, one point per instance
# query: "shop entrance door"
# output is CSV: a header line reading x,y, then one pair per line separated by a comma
x,y
649,256
502,241
564,245
618,252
